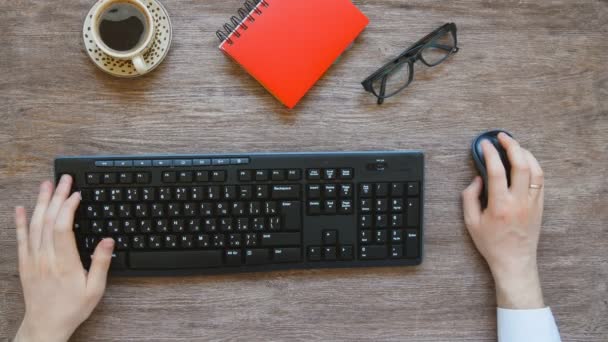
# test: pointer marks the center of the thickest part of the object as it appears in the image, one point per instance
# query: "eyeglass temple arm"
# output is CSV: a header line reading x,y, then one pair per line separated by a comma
x,y
382,90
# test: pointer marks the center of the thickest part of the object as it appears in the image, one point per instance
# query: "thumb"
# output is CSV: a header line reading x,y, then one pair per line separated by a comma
x,y
98,272
470,203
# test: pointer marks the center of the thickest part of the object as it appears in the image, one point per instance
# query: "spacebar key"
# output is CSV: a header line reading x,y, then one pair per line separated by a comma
x,y
170,260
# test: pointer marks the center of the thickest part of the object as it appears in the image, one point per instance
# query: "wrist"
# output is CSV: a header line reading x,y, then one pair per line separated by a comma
x,y
518,288
31,332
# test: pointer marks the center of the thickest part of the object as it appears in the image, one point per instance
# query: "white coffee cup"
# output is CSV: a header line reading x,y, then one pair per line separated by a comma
x,y
116,23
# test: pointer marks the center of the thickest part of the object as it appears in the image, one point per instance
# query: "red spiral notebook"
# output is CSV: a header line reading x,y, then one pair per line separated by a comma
x,y
287,45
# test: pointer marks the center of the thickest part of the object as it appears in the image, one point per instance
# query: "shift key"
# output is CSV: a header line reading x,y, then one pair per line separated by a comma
x,y
280,239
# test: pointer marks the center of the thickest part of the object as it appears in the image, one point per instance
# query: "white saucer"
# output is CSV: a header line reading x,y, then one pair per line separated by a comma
x,y
155,55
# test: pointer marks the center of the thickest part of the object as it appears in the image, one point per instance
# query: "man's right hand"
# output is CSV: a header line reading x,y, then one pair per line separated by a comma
x,y
506,233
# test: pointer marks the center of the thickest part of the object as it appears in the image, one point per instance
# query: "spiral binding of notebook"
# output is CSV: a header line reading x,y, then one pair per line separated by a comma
x,y
244,14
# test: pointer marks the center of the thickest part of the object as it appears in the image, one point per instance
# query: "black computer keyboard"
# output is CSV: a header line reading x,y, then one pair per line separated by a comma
x,y
188,214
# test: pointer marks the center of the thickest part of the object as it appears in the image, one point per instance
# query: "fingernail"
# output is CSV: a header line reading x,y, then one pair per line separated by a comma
x,y
64,178
79,195
108,243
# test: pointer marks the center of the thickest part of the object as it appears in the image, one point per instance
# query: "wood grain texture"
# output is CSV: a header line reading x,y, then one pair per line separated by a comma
x,y
535,68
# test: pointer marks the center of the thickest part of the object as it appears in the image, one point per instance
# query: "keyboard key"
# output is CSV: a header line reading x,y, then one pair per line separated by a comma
x,y
314,253
365,205
257,256
123,163
314,207
396,251
345,174
411,243
185,176
314,191
345,207
108,178
294,175
329,174
119,261
346,190
346,252
261,175
396,220
201,176
182,162
142,178
155,241
245,176
162,163
329,207
93,178
234,257
365,221
169,177
286,255
396,235
380,237
287,191
239,161
381,205
277,175
170,241
201,162
373,252
280,239
381,189
261,191
313,174
412,212
329,253
396,189
104,163
413,189
330,191
220,161
397,205
186,242
365,190
125,178
218,176
365,236
381,221
142,163
100,195
291,215
330,237
175,259
138,242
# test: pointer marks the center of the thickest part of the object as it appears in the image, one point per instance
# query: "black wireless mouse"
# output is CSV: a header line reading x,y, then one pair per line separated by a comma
x,y
480,162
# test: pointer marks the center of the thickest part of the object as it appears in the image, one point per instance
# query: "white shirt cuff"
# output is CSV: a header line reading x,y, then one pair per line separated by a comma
x,y
537,325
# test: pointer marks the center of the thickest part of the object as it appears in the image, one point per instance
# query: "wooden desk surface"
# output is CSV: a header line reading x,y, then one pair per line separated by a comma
x,y
536,68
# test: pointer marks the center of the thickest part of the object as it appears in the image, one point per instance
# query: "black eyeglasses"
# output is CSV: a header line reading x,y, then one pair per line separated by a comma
x,y
396,75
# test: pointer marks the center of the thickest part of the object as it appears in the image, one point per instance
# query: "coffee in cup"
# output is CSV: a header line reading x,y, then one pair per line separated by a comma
x,y
124,29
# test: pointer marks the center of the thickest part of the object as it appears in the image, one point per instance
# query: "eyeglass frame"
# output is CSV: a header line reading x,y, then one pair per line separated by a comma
x,y
411,55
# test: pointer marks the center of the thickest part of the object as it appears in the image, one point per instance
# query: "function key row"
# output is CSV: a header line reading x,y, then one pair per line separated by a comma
x,y
171,162
270,175
389,189
118,178
330,174
193,176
